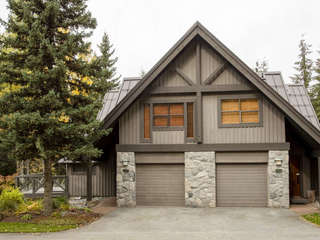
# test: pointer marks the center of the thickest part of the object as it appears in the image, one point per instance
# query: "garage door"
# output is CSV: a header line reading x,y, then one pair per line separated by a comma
x,y
242,184
160,184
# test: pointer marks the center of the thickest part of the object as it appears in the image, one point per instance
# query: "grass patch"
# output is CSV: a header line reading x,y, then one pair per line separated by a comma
x,y
18,227
314,218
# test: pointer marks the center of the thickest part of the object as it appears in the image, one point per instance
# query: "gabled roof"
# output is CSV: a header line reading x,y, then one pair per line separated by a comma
x,y
197,30
295,94
112,98
299,98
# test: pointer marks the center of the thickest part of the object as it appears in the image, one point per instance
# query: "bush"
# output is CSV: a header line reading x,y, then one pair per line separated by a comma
x,y
26,217
6,182
60,203
34,206
10,199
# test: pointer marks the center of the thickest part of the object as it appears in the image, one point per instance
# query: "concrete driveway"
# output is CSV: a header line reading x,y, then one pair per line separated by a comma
x,y
143,223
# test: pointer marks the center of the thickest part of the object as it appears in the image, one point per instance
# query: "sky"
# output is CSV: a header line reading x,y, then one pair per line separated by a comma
x,y
142,31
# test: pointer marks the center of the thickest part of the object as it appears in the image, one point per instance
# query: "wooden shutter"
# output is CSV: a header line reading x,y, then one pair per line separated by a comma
x,y
190,120
147,121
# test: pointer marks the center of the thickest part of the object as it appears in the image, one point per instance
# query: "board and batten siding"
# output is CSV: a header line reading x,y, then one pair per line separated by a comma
x,y
129,125
272,131
103,182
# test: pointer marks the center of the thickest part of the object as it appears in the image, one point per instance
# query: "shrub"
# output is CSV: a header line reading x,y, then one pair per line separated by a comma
x,y
6,182
10,199
34,206
60,203
26,217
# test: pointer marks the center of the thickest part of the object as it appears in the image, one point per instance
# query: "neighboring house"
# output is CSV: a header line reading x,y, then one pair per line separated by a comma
x,y
202,129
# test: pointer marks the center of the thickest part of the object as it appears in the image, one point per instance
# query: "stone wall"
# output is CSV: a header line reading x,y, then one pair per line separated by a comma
x,y
126,179
200,182
278,179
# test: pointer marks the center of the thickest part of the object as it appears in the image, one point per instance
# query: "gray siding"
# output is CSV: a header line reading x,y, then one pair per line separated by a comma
x,y
103,182
129,126
168,137
186,62
144,158
273,130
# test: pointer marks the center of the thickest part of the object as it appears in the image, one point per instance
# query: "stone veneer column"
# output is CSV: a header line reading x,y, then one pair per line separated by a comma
x,y
200,179
278,179
126,179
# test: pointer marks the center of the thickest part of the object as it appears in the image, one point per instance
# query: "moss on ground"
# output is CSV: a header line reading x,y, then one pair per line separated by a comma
x,y
314,218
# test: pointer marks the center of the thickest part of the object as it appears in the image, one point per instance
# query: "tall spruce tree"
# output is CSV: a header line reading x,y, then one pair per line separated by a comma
x,y
315,90
304,65
61,84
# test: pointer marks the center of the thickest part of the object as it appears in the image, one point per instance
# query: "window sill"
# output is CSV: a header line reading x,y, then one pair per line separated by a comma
x,y
241,125
167,128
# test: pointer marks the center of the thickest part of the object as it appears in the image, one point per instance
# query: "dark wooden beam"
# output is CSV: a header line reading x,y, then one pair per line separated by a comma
x,y
235,147
203,89
213,76
184,77
198,63
199,95
199,117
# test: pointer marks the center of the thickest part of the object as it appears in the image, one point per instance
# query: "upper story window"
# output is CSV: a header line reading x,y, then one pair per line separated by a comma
x,y
167,117
240,112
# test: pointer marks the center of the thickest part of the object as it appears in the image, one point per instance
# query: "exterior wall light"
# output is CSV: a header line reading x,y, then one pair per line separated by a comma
x,y
278,161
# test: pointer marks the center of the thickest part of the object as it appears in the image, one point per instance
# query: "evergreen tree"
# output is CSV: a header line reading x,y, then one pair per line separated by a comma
x,y
61,84
315,90
304,65
261,66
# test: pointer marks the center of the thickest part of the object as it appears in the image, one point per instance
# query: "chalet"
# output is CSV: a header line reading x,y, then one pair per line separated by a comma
x,y
202,129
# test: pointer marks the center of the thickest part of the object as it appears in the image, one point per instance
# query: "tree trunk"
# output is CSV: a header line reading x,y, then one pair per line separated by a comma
x,y
47,196
89,181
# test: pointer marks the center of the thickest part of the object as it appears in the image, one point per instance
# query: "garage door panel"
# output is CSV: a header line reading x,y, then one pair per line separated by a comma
x,y
241,185
160,184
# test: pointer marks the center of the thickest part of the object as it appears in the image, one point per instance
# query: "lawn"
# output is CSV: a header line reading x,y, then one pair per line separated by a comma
x,y
18,227
314,218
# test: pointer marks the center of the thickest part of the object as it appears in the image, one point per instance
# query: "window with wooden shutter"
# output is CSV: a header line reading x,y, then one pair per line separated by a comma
x,y
243,111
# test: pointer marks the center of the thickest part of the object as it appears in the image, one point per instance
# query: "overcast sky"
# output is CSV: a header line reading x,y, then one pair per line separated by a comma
x,y
142,31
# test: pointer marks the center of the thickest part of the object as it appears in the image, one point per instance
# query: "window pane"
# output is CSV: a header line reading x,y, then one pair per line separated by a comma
x,y
190,120
160,109
160,121
250,117
176,109
230,118
176,121
230,105
249,104
146,121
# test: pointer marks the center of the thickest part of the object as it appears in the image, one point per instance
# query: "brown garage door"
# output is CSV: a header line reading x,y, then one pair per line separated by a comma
x,y
160,184
242,185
